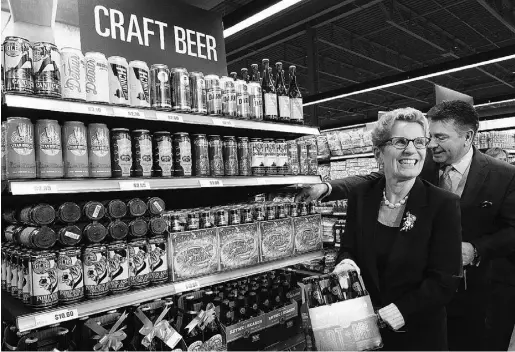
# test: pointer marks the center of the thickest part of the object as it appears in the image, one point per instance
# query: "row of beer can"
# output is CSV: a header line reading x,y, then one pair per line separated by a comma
x,y
42,279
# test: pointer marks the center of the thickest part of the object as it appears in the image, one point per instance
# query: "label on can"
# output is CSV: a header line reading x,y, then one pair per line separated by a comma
x,y
122,154
138,81
162,155
18,65
49,154
118,84
243,158
158,259
258,154
14,273
182,156
73,77
255,101
160,94
181,90
270,153
282,154
99,152
142,155
96,271
303,157
119,266
296,111
242,99
284,107
214,100
21,160
198,94
43,277
216,162
75,153
293,158
70,275
97,79
139,266
229,97
270,101
230,157
47,63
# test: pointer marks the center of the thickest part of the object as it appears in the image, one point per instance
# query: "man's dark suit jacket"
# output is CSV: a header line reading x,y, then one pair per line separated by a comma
x,y
423,268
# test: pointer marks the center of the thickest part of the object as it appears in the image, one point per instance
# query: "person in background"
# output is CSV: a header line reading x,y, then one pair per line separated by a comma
x,y
497,153
486,187
404,234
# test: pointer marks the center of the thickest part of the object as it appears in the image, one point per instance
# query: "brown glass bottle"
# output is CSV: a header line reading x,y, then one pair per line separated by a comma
x,y
317,298
269,94
68,212
116,208
69,235
205,220
296,110
155,206
93,210
157,226
283,101
63,340
137,227
136,207
94,232
193,337
117,230
39,214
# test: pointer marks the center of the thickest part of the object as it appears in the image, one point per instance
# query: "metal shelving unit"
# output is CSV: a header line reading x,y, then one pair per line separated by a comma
x,y
345,157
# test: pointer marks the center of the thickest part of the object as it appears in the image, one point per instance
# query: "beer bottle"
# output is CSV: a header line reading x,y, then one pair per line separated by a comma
x,y
157,225
255,95
175,224
193,221
338,231
93,210
39,214
68,212
69,235
155,206
356,285
296,111
94,232
137,207
116,208
240,311
283,101
226,316
253,307
327,294
335,288
63,340
11,337
205,220
269,96
117,230
264,300
31,344
137,227
193,337
317,298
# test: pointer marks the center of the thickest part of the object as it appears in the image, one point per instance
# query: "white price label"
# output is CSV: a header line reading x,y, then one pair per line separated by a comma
x,y
169,117
41,188
55,317
223,122
132,113
211,183
93,109
72,235
97,210
133,185
186,286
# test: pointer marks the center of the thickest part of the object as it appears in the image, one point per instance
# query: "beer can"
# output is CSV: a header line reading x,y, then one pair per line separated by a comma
x,y
214,95
230,153
311,156
4,150
303,157
39,214
7,263
121,148
255,101
14,264
270,156
216,161
139,266
118,80
139,93
228,96
181,100
38,237
117,229
142,152
18,58
24,278
158,258
293,158
75,149
118,257
160,92
257,156
70,275
47,65
97,77
200,155
99,150
96,271
244,157
44,291
162,148
242,99
4,250
49,153
94,232
137,227
68,212
182,154
73,74
69,235
198,93
282,157
234,216
20,156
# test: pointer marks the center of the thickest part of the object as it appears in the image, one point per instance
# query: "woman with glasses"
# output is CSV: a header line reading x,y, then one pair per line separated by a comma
x,y
405,236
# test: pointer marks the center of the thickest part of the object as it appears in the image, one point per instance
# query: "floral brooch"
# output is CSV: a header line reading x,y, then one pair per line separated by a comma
x,y
409,221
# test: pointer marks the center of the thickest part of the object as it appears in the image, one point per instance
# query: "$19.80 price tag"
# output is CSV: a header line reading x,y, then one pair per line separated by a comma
x,y
133,185
211,183
55,317
186,286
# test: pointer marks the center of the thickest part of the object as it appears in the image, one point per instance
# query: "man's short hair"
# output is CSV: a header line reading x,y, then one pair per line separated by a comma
x,y
461,113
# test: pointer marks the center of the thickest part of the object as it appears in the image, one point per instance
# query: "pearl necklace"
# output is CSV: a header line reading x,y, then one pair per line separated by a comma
x,y
392,205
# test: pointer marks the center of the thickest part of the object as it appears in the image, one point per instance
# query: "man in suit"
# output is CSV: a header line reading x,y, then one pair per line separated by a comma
x,y
487,190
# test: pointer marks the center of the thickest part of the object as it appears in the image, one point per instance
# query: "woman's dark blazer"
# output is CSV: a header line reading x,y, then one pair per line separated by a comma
x,y
423,269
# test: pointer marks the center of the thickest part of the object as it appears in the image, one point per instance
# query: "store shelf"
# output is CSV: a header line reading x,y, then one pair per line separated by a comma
x,y
345,157
38,103
42,186
26,319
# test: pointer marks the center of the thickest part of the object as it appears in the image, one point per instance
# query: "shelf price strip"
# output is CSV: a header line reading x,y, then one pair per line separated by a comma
x,y
187,286
222,122
169,117
92,109
59,316
133,185
211,183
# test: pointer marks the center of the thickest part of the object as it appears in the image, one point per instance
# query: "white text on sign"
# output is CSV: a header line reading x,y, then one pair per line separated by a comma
x,y
133,185
211,183
55,317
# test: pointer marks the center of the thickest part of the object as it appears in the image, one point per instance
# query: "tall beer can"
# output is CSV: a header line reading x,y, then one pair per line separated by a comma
x,y
216,160
118,80
303,156
139,94
118,258
282,156
96,271
293,158
121,147
244,156
182,160
228,96
70,275
242,99
75,149
49,153
142,153
160,92
162,154
312,154
230,152
4,151
214,95
255,101
257,156
198,93
47,66
97,77
18,65
99,150
20,155
200,155
181,100
44,292
73,74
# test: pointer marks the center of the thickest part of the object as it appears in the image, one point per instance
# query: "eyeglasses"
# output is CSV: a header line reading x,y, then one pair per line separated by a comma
x,y
402,142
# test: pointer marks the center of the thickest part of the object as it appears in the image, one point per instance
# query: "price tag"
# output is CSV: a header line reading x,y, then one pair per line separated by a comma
x,y
72,235
132,113
211,183
39,188
133,185
222,122
92,109
187,286
55,317
169,117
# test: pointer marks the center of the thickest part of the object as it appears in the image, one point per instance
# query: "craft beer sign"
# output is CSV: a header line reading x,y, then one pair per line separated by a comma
x,y
155,31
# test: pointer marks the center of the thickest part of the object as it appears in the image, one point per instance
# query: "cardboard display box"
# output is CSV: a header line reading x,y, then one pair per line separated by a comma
x,y
239,246
276,239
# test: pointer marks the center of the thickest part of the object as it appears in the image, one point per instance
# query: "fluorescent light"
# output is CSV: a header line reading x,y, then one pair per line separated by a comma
x,y
456,69
260,16
495,102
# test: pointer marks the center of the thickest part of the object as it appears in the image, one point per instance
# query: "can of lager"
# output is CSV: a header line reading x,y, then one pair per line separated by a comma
x,y
20,155
118,257
142,152
96,271
244,156
139,266
230,153
293,158
99,150
24,278
181,100
158,258
257,156
138,84
198,93
200,155
121,147
14,264
97,77
18,57
228,96
182,165
75,149
282,157
242,99
47,65
216,160
70,276
73,74
270,156
49,154
160,93
303,156
214,95
4,149
69,235
43,281
162,153
118,80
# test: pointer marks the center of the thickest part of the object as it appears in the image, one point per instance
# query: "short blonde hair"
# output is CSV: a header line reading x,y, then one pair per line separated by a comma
x,y
383,131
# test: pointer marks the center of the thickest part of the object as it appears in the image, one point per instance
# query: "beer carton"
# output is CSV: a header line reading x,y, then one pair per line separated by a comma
x,y
194,253
239,246
276,239
307,233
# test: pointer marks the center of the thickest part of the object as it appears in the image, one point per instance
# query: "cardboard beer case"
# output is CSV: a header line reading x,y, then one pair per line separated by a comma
x,y
307,232
276,239
239,246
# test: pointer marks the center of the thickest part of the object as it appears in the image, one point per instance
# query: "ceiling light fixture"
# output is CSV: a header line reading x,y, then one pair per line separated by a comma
x,y
495,102
260,16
